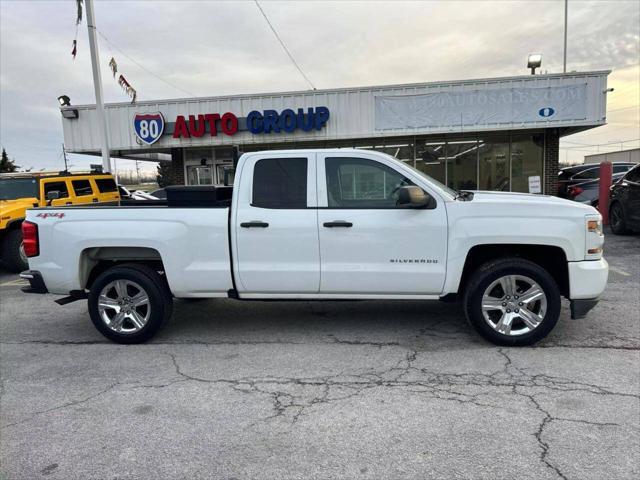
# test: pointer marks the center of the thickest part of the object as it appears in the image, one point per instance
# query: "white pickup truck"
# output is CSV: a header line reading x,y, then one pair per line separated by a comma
x,y
321,225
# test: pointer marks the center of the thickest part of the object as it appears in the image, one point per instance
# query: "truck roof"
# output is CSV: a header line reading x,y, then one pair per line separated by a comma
x,y
49,174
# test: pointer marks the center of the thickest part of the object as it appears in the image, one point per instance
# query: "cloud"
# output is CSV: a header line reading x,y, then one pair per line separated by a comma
x,y
216,48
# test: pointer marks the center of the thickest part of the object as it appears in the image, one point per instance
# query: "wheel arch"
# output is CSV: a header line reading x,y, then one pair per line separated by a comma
x,y
550,257
95,260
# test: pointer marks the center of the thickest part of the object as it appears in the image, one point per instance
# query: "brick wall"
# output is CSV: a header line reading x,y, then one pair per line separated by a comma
x,y
174,175
551,160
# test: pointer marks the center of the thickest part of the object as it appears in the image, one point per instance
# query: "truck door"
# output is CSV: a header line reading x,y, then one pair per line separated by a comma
x,y
276,225
369,245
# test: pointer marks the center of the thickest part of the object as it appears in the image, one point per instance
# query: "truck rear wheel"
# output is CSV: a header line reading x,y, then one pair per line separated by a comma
x,y
13,252
129,303
512,302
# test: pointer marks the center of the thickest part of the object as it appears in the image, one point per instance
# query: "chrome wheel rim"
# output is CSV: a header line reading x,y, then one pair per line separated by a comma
x,y
124,306
514,305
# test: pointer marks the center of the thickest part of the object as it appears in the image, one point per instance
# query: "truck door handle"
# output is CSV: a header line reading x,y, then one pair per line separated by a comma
x,y
94,200
254,224
338,223
68,203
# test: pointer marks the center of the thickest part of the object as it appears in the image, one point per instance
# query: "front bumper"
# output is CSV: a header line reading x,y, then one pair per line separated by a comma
x,y
587,279
36,282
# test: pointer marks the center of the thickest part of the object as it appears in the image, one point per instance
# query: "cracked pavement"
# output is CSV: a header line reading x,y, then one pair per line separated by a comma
x,y
365,390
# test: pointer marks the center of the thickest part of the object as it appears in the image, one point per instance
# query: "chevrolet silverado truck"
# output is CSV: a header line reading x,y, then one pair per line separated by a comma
x,y
323,225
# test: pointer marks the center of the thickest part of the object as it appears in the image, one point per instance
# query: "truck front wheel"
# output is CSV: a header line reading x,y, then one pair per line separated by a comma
x,y
512,302
129,303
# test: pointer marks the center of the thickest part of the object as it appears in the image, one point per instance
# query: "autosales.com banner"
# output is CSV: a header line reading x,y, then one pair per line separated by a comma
x,y
481,107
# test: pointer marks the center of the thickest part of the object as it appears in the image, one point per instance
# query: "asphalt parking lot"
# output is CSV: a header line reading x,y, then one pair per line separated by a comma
x,y
321,390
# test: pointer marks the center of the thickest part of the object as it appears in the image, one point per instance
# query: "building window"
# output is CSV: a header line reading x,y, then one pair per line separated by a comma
x,y
494,163
362,183
431,158
527,158
462,164
280,183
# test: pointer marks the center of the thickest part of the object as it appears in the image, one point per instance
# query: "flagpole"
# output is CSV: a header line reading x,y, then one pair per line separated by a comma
x,y
566,11
97,84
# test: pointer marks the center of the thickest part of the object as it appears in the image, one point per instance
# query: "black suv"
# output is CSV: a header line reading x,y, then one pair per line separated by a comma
x,y
624,203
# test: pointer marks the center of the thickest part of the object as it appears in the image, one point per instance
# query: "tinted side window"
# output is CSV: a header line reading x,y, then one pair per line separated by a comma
x,y
56,186
106,185
280,183
588,173
633,175
362,183
620,168
82,187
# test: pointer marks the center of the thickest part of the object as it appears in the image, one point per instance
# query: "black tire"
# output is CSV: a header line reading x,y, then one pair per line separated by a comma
x,y
160,301
12,255
617,221
488,273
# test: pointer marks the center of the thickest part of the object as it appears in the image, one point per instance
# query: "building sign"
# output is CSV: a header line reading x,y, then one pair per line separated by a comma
x,y
148,127
265,122
287,121
497,106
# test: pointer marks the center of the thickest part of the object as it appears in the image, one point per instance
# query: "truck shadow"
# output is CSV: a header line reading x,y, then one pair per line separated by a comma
x,y
415,324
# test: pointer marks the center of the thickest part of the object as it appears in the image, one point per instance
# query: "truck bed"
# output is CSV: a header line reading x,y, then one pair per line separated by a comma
x,y
193,243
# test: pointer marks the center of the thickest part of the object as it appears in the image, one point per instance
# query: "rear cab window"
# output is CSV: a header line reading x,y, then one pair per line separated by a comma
x,y
280,183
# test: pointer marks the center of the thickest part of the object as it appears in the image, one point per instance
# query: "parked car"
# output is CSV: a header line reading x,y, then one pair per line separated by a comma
x,y
624,203
23,190
583,174
160,194
318,225
127,194
589,192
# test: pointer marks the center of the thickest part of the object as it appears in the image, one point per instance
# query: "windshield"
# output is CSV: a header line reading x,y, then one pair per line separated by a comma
x,y
14,188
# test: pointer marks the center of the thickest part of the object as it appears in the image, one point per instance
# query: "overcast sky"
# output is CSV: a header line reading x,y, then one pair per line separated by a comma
x,y
212,48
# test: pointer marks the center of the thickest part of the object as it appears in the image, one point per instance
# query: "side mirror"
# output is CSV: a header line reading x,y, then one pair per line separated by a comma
x,y
53,195
412,196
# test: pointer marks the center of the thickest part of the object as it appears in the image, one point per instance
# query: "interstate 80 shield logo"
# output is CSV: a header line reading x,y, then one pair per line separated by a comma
x,y
148,126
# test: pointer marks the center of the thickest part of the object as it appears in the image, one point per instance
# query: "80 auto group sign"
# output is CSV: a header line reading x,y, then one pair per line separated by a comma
x,y
149,127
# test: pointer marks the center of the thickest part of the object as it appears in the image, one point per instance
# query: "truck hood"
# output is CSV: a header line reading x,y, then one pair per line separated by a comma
x,y
14,209
531,200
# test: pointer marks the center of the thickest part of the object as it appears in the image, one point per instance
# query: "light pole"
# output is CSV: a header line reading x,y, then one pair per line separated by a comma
x,y
566,11
97,84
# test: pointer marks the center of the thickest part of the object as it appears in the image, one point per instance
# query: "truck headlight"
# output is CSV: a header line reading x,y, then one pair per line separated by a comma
x,y
595,226
594,238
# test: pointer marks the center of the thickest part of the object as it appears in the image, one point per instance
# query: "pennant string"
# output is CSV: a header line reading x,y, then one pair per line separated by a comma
x,y
113,66
79,16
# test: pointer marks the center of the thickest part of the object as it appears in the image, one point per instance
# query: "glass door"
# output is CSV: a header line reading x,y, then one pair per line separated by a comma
x,y
199,175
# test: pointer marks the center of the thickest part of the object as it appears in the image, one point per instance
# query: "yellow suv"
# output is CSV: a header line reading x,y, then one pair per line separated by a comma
x,y
20,191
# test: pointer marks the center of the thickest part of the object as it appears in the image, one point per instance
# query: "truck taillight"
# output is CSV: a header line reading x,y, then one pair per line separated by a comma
x,y
30,239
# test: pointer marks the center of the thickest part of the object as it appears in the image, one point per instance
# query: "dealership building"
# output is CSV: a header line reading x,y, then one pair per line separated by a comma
x,y
484,134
